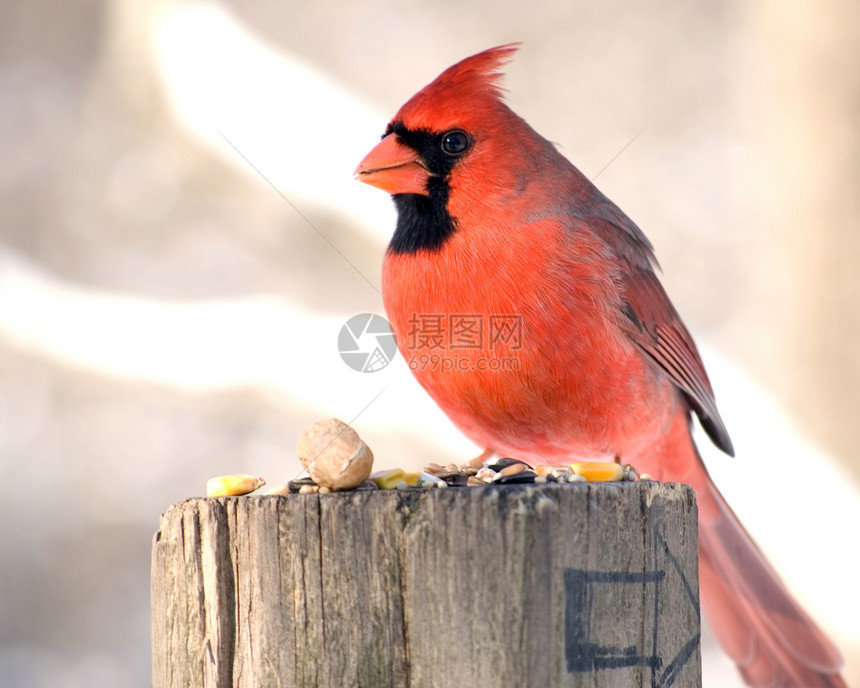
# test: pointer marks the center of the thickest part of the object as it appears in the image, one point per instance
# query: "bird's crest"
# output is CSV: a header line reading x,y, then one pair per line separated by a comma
x,y
468,86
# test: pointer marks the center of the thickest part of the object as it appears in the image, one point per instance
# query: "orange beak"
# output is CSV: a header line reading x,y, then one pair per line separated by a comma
x,y
394,168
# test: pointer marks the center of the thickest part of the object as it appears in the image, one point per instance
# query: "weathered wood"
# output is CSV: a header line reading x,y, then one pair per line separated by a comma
x,y
552,585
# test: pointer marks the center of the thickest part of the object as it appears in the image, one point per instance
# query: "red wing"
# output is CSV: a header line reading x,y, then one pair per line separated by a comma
x,y
649,318
656,327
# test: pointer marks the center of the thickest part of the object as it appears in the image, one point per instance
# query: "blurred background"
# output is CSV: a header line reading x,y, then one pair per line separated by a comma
x,y
181,240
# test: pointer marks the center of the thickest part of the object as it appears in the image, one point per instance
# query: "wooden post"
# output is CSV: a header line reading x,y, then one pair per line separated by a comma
x,y
513,585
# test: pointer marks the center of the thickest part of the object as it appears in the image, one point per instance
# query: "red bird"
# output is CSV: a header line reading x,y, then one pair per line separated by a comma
x,y
526,304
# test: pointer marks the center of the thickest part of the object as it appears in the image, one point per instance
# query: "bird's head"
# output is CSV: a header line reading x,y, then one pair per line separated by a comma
x,y
454,144
439,126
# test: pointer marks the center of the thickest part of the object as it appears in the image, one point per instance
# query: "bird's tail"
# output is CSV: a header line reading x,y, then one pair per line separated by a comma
x,y
756,620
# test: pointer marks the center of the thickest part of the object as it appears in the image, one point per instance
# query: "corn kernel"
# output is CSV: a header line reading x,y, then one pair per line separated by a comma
x,y
232,485
387,480
598,471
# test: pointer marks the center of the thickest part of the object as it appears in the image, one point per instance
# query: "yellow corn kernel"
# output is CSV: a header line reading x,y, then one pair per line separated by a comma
x,y
412,478
232,485
387,480
598,471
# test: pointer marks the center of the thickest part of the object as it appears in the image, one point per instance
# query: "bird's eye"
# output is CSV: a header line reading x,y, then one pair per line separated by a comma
x,y
455,142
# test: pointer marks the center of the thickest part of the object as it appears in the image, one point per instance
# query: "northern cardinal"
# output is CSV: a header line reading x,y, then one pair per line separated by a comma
x,y
526,304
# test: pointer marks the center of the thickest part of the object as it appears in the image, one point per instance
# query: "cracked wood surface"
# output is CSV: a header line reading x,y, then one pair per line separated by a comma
x,y
551,585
